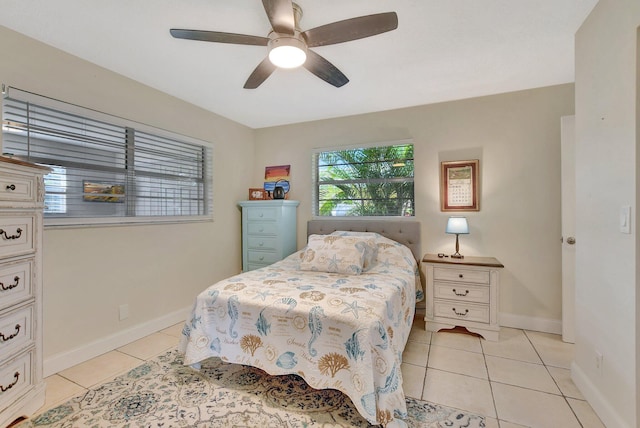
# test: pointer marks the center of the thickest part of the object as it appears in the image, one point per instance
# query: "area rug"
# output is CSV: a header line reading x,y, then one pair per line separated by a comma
x,y
164,393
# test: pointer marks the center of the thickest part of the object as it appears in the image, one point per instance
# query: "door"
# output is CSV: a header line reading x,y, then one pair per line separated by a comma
x,y
568,206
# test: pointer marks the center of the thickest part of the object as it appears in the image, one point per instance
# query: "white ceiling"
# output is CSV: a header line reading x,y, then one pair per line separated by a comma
x,y
442,50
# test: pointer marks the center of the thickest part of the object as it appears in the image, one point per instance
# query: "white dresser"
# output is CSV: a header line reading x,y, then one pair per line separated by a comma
x,y
463,292
268,232
22,390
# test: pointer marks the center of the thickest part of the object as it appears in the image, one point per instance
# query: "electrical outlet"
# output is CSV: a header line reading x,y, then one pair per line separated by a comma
x,y
124,312
598,361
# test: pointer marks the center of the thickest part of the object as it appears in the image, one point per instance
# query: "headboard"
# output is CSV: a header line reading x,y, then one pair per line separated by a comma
x,y
406,232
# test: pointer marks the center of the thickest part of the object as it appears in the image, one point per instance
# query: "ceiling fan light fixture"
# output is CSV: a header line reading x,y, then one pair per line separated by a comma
x,y
287,52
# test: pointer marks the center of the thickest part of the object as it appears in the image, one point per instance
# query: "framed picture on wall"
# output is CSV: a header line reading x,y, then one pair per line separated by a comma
x,y
459,185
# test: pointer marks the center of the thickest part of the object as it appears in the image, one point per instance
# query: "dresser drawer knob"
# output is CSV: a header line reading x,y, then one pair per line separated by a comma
x,y
261,258
11,336
16,236
11,187
14,285
460,275
466,292
6,388
461,314
261,215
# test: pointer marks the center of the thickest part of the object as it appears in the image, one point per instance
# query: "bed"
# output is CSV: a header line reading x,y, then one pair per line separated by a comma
x,y
337,312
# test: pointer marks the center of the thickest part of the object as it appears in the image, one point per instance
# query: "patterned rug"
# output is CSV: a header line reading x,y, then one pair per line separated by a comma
x,y
164,393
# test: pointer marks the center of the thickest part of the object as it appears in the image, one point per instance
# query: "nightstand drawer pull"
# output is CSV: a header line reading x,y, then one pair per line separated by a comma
x,y
11,187
16,236
460,294
4,288
6,388
460,314
11,336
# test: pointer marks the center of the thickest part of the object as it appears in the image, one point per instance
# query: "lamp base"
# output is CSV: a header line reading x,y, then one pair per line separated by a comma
x,y
457,256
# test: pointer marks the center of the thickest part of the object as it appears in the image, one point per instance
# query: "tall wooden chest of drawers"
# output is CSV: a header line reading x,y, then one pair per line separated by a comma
x,y
463,292
22,390
268,232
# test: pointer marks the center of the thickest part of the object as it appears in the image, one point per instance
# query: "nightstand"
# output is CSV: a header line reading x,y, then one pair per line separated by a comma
x,y
463,292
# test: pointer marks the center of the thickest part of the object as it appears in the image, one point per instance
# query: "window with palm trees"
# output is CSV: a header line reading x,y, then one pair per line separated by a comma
x,y
366,181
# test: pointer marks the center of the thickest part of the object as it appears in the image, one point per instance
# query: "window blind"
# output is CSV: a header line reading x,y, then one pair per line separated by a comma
x,y
104,168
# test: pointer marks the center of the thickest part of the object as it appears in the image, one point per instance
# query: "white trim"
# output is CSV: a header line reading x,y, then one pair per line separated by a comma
x,y
363,145
545,325
54,223
603,408
64,360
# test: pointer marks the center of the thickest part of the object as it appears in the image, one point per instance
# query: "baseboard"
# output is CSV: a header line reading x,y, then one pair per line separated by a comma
x,y
64,360
545,325
598,402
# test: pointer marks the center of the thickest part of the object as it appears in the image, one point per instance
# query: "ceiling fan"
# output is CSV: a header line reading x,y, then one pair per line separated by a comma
x,y
289,46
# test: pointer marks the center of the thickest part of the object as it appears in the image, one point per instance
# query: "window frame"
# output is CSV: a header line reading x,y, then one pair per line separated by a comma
x,y
315,203
61,221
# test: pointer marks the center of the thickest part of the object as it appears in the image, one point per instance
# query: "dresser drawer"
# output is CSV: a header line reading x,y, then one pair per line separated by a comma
x,y
262,243
15,377
262,213
15,282
262,228
462,292
16,329
462,275
462,311
265,257
16,235
17,188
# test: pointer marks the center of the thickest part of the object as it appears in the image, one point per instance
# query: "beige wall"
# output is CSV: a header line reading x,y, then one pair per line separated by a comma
x,y
607,74
516,136
156,270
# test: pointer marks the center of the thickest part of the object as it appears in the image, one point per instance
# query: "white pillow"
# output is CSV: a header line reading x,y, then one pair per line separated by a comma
x,y
371,241
336,254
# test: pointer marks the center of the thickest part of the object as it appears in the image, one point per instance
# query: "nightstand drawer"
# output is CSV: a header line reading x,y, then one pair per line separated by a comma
x,y
462,311
262,213
265,257
16,329
462,275
16,235
15,282
262,243
462,292
262,228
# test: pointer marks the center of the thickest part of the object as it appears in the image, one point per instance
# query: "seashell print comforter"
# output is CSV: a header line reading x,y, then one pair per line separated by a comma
x,y
339,331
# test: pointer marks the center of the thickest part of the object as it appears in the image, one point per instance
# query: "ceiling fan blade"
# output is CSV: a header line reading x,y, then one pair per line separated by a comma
x,y
351,29
324,69
219,37
280,14
260,74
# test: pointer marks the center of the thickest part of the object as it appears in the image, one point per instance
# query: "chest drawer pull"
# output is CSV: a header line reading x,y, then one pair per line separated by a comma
x,y
14,285
11,336
460,314
6,388
8,237
11,187
460,294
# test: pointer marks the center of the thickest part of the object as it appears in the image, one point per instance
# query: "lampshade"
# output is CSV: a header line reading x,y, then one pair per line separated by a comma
x,y
457,225
287,52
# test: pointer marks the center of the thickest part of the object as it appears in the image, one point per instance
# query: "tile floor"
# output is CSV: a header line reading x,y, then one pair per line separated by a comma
x,y
523,380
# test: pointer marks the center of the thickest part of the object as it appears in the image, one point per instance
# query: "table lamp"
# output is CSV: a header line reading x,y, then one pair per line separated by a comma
x,y
459,226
